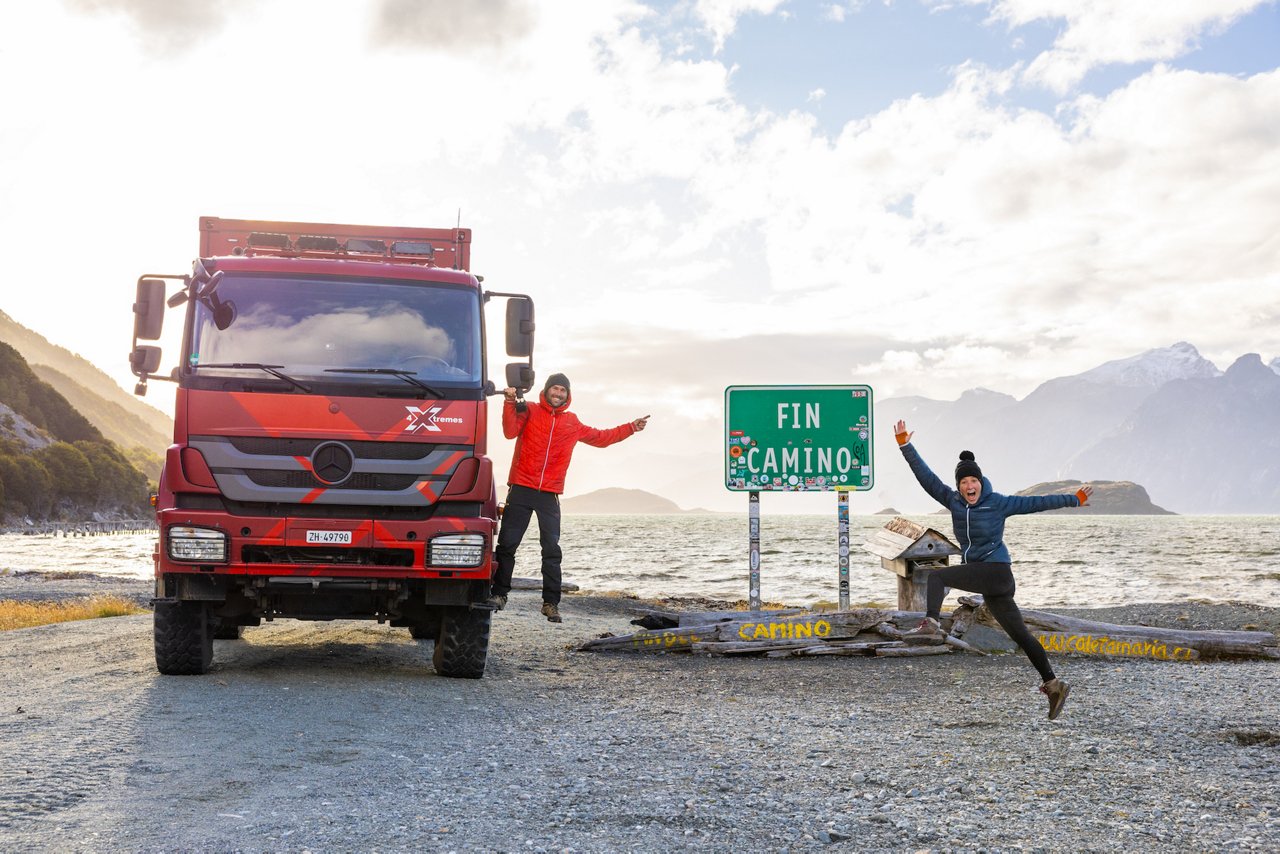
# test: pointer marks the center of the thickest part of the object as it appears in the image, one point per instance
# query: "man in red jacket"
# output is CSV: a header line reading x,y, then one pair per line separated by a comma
x,y
545,434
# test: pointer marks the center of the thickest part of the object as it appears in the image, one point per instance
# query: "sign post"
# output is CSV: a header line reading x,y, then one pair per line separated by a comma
x,y
753,544
842,545
799,438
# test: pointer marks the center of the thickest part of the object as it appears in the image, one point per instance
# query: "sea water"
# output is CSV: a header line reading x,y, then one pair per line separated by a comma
x,y
1057,560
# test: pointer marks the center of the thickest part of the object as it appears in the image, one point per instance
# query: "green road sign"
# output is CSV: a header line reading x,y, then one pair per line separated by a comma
x,y
798,438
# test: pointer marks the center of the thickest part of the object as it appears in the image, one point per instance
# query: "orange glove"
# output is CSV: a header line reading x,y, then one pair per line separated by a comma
x,y
1083,496
900,433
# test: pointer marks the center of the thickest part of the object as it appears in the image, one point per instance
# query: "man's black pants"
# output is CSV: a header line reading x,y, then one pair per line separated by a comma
x,y
995,582
522,503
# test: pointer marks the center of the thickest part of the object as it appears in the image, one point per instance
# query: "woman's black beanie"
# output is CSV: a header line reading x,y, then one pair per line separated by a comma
x,y
967,467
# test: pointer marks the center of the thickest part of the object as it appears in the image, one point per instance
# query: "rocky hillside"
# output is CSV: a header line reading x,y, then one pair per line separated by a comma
x,y
53,462
121,417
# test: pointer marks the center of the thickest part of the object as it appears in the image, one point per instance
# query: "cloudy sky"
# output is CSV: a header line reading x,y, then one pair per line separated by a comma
x,y
921,195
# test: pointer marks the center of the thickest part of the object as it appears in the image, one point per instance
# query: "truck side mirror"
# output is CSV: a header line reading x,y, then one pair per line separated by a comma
x,y
145,359
520,376
148,310
520,328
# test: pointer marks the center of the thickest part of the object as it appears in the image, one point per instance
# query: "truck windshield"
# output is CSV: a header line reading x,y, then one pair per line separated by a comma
x,y
308,326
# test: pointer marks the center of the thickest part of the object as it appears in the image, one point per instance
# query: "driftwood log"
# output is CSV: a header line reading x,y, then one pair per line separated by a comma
x,y
1061,634
811,628
654,619
881,632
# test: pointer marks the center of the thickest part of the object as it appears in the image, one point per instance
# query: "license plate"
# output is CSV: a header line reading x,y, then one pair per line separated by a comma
x,y
329,538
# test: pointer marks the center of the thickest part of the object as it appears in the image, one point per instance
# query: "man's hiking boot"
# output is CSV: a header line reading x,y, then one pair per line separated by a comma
x,y
551,612
1056,690
928,632
497,601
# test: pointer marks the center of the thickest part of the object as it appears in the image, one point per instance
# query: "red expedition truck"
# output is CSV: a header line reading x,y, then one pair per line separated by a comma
x,y
328,457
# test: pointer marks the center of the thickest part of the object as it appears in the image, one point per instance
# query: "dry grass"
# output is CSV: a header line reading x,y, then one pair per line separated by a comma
x,y
24,615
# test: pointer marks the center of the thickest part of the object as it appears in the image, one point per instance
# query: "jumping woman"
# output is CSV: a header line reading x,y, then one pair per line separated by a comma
x,y
977,517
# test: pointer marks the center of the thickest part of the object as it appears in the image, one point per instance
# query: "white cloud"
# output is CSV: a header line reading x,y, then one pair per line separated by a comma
x,y
1101,32
720,17
448,25
944,242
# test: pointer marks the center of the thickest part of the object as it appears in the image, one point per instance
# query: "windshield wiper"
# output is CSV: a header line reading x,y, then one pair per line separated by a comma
x,y
270,369
408,376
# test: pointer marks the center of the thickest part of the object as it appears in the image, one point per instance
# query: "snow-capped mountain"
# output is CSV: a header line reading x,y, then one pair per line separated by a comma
x,y
1154,368
1200,440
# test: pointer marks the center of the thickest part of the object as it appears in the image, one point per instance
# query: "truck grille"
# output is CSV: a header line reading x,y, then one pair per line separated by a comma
x,y
266,446
272,470
327,556
304,480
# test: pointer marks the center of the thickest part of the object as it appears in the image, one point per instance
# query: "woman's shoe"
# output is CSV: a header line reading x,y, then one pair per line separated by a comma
x,y
1056,690
928,632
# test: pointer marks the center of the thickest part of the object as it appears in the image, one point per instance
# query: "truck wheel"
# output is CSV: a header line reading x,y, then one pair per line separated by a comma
x,y
228,630
184,638
463,644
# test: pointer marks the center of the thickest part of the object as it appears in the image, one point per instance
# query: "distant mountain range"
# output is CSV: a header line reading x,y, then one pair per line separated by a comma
x,y
1200,440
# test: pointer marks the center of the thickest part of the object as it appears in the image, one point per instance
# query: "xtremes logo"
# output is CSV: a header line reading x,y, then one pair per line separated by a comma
x,y
427,419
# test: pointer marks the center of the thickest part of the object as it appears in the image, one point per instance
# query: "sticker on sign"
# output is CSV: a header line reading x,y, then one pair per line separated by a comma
x,y
329,538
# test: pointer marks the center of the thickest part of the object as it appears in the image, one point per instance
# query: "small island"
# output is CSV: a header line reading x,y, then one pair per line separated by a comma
x,y
616,501
1110,497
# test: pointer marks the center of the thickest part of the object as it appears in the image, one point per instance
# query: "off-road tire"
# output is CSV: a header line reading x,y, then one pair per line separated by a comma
x,y
228,630
463,644
183,638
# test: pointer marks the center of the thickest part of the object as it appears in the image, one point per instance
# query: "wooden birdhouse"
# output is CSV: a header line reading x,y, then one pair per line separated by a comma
x,y
910,551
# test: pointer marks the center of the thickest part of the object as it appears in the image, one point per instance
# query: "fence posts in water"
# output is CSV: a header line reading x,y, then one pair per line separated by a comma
x,y
88,529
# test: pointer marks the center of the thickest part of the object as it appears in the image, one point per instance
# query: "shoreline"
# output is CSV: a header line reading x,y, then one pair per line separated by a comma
x,y
60,586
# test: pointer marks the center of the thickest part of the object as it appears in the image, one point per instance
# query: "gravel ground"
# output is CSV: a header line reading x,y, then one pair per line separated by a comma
x,y
339,737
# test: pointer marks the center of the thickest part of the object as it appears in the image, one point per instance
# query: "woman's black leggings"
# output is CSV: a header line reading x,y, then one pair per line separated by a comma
x,y
995,582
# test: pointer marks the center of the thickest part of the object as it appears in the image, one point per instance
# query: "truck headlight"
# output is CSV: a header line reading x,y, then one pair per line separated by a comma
x,y
456,550
202,545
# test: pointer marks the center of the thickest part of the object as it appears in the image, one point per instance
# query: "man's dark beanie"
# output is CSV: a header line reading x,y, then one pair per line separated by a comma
x,y
557,379
967,467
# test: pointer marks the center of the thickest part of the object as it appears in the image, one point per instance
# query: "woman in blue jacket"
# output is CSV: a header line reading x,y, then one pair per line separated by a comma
x,y
977,517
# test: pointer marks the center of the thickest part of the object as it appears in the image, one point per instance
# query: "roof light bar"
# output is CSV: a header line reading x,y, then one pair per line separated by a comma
x,y
366,246
314,243
412,247
269,240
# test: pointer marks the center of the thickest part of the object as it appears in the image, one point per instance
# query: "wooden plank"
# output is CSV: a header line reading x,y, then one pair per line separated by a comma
x,y
814,627
685,619
786,648
661,640
956,643
886,544
846,649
